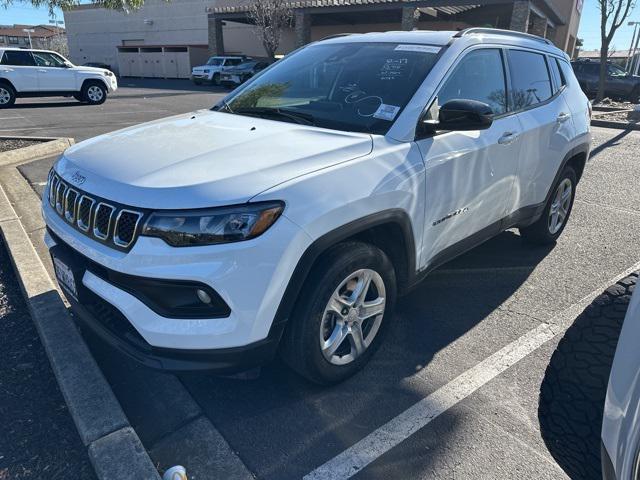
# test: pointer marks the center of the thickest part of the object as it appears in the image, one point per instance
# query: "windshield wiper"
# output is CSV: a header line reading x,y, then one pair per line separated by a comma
x,y
297,117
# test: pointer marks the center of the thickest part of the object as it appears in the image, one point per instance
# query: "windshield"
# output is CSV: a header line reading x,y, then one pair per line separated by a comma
x,y
616,71
214,61
360,87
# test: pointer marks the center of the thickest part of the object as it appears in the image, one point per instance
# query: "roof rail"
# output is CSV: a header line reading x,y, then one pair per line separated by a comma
x,y
337,35
499,31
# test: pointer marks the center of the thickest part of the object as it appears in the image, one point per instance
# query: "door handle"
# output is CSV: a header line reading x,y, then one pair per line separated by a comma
x,y
508,138
563,117
42,70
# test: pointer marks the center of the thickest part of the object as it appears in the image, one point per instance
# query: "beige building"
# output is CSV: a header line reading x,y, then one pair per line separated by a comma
x,y
164,39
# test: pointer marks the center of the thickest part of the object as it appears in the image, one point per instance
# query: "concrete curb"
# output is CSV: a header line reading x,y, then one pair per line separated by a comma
x,y
616,125
48,147
113,446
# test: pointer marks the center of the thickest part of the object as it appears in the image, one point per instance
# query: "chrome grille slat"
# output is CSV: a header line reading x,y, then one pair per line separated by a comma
x,y
102,224
114,225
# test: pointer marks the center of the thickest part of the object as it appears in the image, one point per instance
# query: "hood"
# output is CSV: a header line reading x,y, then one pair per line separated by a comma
x,y
203,159
89,69
204,67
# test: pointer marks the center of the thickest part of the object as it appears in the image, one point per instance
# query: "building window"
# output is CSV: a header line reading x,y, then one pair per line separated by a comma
x,y
2,39
13,40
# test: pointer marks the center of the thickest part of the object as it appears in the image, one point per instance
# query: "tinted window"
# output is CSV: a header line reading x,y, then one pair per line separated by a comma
x,y
229,62
530,81
563,76
479,76
566,72
615,71
18,58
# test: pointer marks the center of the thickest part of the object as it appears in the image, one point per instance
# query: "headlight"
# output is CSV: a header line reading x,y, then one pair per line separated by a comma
x,y
217,225
108,73
207,71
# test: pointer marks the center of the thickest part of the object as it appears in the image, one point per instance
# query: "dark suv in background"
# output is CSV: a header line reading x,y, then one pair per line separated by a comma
x,y
619,84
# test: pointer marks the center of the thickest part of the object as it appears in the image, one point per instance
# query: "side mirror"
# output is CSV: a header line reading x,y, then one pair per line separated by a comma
x,y
461,115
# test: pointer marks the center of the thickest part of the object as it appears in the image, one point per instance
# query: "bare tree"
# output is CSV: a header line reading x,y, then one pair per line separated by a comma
x,y
613,14
58,43
271,18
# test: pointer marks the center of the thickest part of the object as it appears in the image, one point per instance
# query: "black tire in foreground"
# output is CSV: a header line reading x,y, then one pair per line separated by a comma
x,y
337,274
7,95
544,231
94,92
574,388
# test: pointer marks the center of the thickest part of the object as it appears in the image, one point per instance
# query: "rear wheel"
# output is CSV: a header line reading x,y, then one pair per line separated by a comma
x,y
7,95
339,319
634,97
94,93
556,212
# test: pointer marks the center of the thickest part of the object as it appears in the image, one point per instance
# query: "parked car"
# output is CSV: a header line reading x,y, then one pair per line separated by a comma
x,y
103,66
210,73
41,73
619,84
621,420
238,75
289,217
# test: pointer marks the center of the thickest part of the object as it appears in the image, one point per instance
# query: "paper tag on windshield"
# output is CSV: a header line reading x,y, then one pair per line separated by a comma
x,y
386,112
417,48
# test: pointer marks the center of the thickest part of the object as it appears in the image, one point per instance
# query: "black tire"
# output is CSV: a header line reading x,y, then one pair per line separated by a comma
x,y
7,95
574,388
300,347
88,95
216,79
634,97
540,232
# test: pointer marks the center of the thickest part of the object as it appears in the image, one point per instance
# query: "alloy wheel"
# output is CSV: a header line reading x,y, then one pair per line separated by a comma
x,y
352,317
560,206
5,96
95,93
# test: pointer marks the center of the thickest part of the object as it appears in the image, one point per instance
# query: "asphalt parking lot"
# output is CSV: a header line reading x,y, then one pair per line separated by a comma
x,y
452,326
135,101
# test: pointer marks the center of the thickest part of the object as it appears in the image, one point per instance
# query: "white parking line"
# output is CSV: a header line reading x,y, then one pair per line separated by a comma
x,y
391,434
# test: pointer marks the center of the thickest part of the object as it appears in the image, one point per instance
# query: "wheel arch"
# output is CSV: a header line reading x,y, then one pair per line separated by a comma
x,y
390,230
92,80
6,81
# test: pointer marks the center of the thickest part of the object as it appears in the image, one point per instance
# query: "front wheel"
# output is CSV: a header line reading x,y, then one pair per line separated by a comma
x,y
339,319
216,80
634,97
94,93
7,95
556,212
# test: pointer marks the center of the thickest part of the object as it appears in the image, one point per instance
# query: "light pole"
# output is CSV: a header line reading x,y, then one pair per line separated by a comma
x,y
633,47
29,31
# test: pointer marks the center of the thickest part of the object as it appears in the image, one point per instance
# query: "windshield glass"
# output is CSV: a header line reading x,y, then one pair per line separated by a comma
x,y
359,87
214,61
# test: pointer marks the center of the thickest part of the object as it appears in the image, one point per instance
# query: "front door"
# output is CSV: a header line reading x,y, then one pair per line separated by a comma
x,y
53,73
470,175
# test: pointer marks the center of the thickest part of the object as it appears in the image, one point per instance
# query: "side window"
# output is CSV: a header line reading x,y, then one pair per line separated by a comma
x,y
563,78
558,79
566,72
530,81
479,76
18,58
45,59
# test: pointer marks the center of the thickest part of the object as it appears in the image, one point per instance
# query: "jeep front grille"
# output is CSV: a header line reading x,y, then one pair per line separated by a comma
x,y
107,222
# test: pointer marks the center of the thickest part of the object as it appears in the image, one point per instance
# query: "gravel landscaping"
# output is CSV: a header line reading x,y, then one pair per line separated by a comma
x,y
39,439
13,144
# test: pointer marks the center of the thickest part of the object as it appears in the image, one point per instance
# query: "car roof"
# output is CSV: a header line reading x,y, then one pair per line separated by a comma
x,y
445,37
14,49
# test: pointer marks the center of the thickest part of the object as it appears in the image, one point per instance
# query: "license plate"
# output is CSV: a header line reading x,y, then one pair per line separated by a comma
x,y
65,277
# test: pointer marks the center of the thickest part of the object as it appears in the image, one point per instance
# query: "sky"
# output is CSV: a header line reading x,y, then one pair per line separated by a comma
x,y
589,24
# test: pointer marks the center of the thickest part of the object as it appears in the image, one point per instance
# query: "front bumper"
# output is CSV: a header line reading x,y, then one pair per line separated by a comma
x,y
201,77
249,276
104,320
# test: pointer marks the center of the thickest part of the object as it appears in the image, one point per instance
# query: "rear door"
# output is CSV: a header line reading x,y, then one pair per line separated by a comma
x,y
53,74
19,67
470,174
545,120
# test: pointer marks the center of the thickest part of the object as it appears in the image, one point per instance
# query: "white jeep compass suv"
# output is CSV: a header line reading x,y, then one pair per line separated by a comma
x,y
41,73
290,216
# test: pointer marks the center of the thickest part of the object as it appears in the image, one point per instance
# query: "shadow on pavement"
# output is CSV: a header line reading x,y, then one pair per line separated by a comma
x,y
574,387
70,103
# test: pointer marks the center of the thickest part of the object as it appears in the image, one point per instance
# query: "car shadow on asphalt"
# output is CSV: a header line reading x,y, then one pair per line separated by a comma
x,y
283,426
71,103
